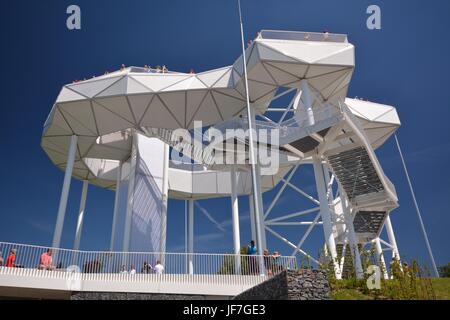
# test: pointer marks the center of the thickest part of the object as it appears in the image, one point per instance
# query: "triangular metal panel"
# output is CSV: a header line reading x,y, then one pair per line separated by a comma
x,y
118,88
259,73
175,102
267,52
139,103
207,113
118,105
345,56
157,116
194,98
107,121
135,87
79,116
58,125
324,81
280,76
227,105
296,69
317,70
226,81
157,82
209,78
92,87
67,95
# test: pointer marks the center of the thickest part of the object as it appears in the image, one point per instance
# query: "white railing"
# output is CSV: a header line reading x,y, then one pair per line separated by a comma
x,y
103,271
29,257
302,36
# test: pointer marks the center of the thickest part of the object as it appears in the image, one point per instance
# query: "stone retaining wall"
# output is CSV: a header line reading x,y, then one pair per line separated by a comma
x,y
304,284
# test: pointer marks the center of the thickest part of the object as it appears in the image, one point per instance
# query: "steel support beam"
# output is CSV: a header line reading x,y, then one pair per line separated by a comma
x,y
116,207
76,243
326,214
65,192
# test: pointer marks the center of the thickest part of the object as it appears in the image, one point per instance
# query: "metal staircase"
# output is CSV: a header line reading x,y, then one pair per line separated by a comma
x,y
189,149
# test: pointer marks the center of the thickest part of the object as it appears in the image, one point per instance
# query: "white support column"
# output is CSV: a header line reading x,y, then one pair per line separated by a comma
x,y
259,218
380,258
116,206
352,240
65,192
165,202
252,216
325,213
391,236
191,237
235,213
76,244
307,101
130,198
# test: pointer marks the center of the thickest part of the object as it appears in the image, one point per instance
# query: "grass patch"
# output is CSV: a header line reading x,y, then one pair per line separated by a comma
x,y
441,288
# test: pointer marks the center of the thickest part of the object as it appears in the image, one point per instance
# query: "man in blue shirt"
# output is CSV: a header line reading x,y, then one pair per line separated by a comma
x,y
251,251
251,248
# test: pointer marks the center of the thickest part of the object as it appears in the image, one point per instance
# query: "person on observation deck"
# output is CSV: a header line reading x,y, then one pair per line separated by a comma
x,y
159,268
123,270
132,270
11,261
2,262
146,268
46,261
251,251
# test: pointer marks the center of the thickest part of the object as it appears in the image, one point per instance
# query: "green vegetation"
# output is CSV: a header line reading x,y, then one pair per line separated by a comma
x,y
409,281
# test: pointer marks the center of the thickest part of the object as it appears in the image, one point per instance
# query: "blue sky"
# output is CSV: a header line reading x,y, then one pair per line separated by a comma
x,y
404,64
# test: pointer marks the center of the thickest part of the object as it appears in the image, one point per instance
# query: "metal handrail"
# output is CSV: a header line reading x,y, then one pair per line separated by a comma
x,y
107,262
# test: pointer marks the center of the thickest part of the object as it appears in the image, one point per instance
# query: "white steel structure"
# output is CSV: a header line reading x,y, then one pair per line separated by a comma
x,y
115,132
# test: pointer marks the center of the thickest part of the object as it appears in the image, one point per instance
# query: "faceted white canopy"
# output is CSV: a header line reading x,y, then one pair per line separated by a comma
x,y
138,97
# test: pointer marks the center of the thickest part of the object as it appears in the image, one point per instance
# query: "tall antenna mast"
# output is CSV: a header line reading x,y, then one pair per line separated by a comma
x,y
253,157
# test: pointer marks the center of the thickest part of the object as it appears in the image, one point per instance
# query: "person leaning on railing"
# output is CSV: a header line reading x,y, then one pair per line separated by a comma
x,y
11,260
46,261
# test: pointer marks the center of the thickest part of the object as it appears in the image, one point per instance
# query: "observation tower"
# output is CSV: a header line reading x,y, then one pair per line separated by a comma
x,y
120,131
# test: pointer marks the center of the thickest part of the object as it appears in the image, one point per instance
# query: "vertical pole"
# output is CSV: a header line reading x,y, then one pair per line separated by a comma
x,y
76,244
252,216
419,215
353,241
130,198
380,258
191,236
186,233
325,213
165,201
257,196
391,236
116,206
65,192
235,213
